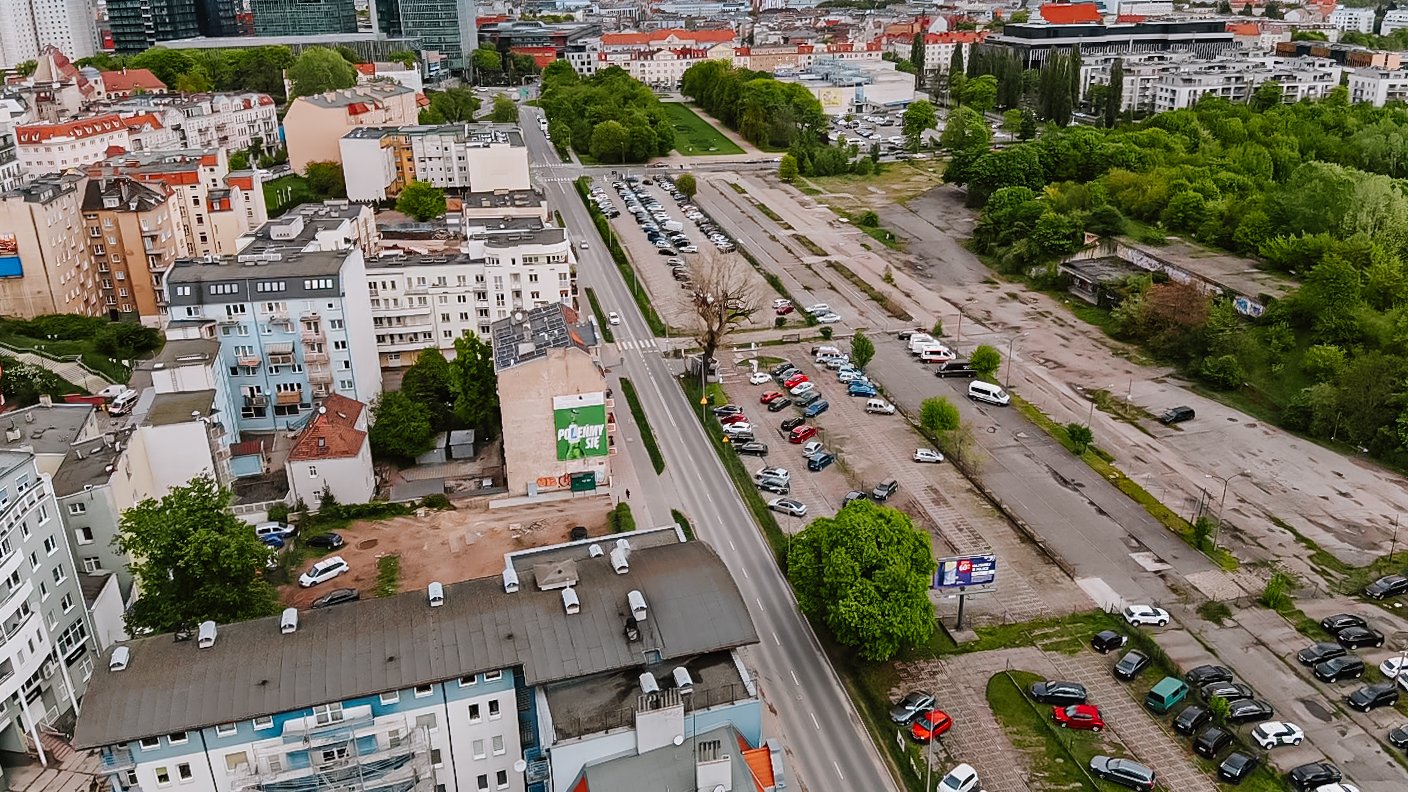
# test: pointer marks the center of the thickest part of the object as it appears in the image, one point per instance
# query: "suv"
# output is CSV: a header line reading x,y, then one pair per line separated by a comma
x,y
1210,742
1313,775
1176,415
1207,674
1106,641
1125,772
884,489
820,460
1337,668
1191,718
1387,586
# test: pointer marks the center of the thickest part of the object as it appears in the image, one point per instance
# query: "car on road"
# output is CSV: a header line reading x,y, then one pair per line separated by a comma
x,y
819,461
908,708
759,378
1398,736
802,388
323,571
1125,772
955,368
1103,641
1337,668
854,495
1387,586
336,597
1339,621
752,448
1270,734
930,724
1312,775
816,408
1206,674
1210,742
962,778
788,506
1131,664
727,409
780,311
927,455
1231,691
1054,691
769,397
795,380
1382,694
1237,766
1084,717
1137,615
325,541
1176,415
884,490
780,404
1191,718
1318,653
736,418
818,308
1249,709
1359,637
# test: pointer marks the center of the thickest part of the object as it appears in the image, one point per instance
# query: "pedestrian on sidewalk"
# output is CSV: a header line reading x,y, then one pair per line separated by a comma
x,y
628,493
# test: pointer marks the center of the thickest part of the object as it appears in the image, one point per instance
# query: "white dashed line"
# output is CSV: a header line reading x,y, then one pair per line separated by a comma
x,y
795,680
815,722
776,640
838,770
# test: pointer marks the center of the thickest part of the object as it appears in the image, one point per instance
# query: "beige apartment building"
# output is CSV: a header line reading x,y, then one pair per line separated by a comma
x,y
45,265
134,238
315,125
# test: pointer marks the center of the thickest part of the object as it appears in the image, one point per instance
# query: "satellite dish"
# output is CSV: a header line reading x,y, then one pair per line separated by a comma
x,y
519,766
679,739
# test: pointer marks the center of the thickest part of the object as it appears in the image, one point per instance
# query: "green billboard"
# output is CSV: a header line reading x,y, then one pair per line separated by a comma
x,y
580,423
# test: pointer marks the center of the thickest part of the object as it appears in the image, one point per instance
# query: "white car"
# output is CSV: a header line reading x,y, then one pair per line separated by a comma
x,y
1273,733
811,447
759,378
781,302
804,387
323,571
112,391
583,244
960,779
1393,667
819,308
1137,615
1340,787
689,249
928,455
850,375
773,472
742,427
788,506
828,318
613,318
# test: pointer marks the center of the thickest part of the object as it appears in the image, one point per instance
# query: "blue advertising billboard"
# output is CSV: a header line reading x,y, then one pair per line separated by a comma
x,y
966,571
10,257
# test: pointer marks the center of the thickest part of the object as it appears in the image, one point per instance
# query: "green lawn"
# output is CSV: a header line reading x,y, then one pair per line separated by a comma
x,y
694,135
287,191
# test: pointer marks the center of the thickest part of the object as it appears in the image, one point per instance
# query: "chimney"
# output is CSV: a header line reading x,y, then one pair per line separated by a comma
x,y
436,594
510,580
712,767
570,601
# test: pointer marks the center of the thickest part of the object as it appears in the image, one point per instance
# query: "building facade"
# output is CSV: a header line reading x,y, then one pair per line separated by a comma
x,y
51,148
302,17
314,124
132,235
11,176
138,25
1032,43
45,263
455,157
232,121
333,452
27,26
447,27
1358,20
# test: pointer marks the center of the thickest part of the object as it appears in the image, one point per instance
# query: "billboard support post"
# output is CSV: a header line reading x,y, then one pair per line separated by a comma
x,y
958,625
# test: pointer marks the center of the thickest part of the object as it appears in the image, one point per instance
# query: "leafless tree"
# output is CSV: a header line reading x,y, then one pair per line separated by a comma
x,y
722,295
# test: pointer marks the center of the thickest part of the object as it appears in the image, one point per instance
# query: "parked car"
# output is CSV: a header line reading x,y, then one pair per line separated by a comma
x,y
778,405
1398,736
774,485
1131,664
325,541
323,571
801,432
1237,766
1124,772
759,378
1387,586
1318,653
788,425
336,597
1085,717
863,389
801,388
1312,775
962,778
854,495
1270,734
1102,642
1359,637
273,540
727,409
738,429
795,380
1383,694
1340,621
1191,719
885,489
788,506
1337,668
736,418
1231,691
811,447
955,368
1210,742
816,408
1176,415
908,708
768,471
820,461
1054,691
753,448
274,529
927,455
930,724
768,397
806,399
1145,614
1206,674
1249,709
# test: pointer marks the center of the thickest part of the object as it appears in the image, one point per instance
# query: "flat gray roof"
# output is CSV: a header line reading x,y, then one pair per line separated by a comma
x,y
187,351
377,645
52,429
86,463
671,766
174,408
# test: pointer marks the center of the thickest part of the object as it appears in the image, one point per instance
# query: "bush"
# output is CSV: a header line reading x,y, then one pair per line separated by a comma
x,y
986,360
620,519
938,329
868,219
1322,362
439,501
279,512
1202,531
1223,373
826,333
1277,594
1080,435
1215,612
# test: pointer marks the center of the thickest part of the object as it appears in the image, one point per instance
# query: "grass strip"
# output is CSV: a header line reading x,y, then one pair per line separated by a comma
x,y
683,522
623,261
693,135
601,322
647,437
811,246
773,216
885,301
738,188
1051,755
882,235
388,575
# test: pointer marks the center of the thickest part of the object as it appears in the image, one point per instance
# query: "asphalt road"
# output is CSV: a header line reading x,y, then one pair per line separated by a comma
x,y
827,746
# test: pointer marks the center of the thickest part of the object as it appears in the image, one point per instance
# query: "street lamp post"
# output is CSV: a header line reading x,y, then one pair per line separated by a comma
x,y
1007,376
1222,502
1393,543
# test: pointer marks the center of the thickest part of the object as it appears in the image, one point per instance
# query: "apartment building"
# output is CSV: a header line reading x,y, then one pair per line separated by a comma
x,y
55,147
27,26
10,174
663,68
132,233
314,124
1358,20
523,714
457,157
785,58
301,17
422,301
232,121
1033,42
1237,80
291,310
126,82
1378,86
1397,19
333,452
44,257
938,47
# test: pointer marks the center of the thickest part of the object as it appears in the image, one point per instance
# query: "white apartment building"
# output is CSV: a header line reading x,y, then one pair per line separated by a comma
x,y
1236,80
1396,19
424,301
26,26
582,55
51,148
1378,86
663,68
458,157
10,173
1359,20
231,121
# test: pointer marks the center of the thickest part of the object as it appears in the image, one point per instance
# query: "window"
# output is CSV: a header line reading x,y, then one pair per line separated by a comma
x,y
91,564
130,777
234,761
276,764
498,745
466,681
474,716
183,772
423,690
59,574
83,534
177,738
501,779
324,714
479,749
426,722
493,676
148,743
493,709
226,729
336,324
163,777
78,508
50,545
435,758
66,603
334,754
312,471
43,514
264,722
391,698
482,782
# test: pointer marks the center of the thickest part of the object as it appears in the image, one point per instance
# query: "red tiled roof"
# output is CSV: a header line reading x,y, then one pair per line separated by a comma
x,y
247,448
129,80
1129,19
84,128
358,108
1070,13
143,119
655,36
760,764
1243,29
368,69
333,432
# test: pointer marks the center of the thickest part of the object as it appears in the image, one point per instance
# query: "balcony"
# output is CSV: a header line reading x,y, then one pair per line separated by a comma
x,y
280,360
319,376
315,356
311,336
249,361
288,398
256,401
116,761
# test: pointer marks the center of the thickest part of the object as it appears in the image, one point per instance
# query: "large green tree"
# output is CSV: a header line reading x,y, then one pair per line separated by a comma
x,y
422,201
167,64
428,384
475,385
320,69
326,179
193,561
918,118
505,110
938,415
862,349
400,428
965,130
453,105
866,574
687,184
611,142
1114,98
980,93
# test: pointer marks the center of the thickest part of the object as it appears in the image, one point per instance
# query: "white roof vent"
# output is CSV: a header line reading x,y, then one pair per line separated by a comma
x,y
289,621
206,637
510,580
648,685
120,657
623,545
683,681
637,603
570,601
619,562
594,550
436,593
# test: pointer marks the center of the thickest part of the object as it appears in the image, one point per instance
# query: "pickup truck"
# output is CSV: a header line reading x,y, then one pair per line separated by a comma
x,y
955,368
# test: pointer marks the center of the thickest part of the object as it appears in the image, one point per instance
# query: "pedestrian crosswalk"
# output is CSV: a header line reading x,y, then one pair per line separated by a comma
x,y
643,344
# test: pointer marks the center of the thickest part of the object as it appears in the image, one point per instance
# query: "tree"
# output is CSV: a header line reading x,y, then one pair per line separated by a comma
x,y
916,52
918,118
421,201
454,104
427,383
193,561
1322,362
1266,96
167,64
194,81
1028,130
980,93
1080,435
1114,98
505,110
965,130
326,179
610,142
1012,121
686,184
320,69
862,350
955,61
938,415
1272,10
475,385
486,60
406,58
721,296
400,427
986,360
866,573
27,68
23,383
787,168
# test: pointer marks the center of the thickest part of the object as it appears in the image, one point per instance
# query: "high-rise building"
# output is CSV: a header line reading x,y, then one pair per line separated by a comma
x,y
444,26
139,24
303,17
26,26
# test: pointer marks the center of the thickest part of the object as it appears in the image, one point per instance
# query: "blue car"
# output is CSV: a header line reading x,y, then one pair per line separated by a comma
x,y
273,540
820,460
862,389
815,408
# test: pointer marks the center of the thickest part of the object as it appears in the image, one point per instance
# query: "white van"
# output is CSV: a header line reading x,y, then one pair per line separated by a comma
x,y
124,402
986,392
935,353
918,340
880,407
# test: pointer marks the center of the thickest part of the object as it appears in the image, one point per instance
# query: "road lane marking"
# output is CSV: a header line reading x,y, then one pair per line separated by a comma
x,y
838,770
745,573
795,680
814,721
775,639
731,546
760,605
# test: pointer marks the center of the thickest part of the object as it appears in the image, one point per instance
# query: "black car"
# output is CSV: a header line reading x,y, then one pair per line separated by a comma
x,y
790,424
1175,415
1210,742
1319,653
909,707
1057,692
1131,664
336,597
781,367
1359,637
1337,668
1108,640
1248,710
1387,586
1236,766
1191,718
1398,736
1231,691
779,404
1384,694
885,489
1313,774
1333,624
326,541
1125,772
727,410
853,495
752,447
956,368
1207,674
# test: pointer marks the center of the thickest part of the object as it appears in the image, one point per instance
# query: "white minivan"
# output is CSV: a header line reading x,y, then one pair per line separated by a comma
x,y
935,353
987,392
917,342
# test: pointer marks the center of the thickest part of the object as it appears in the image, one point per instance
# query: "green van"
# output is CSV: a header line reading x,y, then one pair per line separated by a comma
x,y
1166,695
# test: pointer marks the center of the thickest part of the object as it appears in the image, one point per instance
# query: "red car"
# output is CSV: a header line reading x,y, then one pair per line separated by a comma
x,y
784,310
931,724
733,419
802,434
770,397
795,380
1079,716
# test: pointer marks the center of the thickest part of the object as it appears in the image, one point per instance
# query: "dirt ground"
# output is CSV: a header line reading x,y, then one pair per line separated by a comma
x,y
450,546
